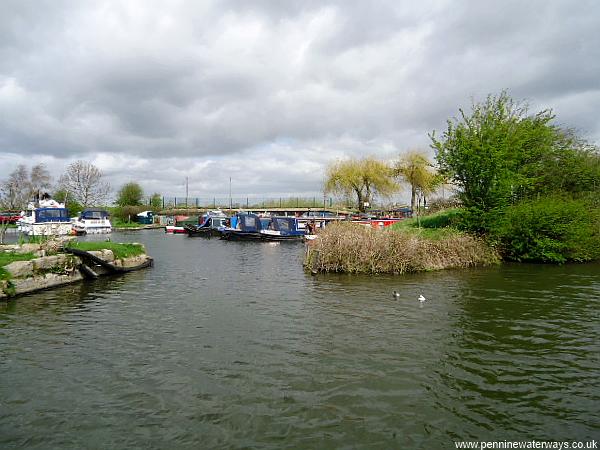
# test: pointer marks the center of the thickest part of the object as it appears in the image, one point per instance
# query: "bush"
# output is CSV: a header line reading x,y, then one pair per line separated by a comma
x,y
551,229
127,213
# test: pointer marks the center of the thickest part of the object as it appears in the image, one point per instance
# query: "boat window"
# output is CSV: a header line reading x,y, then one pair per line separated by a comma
x,y
94,214
218,222
250,222
284,225
51,214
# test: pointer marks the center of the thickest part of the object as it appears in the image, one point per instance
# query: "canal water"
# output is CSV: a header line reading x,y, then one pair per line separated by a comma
x,y
232,345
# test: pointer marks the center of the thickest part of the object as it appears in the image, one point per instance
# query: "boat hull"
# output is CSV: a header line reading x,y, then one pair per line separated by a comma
x,y
170,229
46,229
240,236
195,231
283,237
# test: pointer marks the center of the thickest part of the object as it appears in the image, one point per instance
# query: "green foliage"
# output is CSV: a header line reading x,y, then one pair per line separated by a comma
x,y
550,229
130,194
441,219
125,214
118,249
71,204
156,202
9,257
416,169
496,154
362,178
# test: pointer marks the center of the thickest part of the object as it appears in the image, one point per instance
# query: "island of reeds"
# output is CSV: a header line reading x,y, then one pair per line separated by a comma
x,y
525,190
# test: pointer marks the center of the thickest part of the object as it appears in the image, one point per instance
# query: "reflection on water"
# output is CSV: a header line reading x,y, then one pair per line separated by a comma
x,y
227,344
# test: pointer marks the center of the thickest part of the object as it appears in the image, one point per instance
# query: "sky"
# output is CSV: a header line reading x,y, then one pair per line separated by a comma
x,y
268,93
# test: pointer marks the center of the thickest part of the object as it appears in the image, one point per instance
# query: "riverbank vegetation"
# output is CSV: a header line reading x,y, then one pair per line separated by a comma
x,y
527,190
10,257
352,248
528,186
119,250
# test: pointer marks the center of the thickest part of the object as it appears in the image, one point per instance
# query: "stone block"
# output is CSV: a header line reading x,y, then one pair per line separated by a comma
x,y
50,262
106,255
44,282
28,248
20,269
132,261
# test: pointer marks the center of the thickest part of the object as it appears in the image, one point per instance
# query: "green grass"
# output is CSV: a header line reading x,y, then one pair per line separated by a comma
x,y
9,257
119,250
118,223
435,226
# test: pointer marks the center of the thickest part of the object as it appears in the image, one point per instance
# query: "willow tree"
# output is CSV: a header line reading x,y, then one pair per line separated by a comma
x,y
415,169
362,178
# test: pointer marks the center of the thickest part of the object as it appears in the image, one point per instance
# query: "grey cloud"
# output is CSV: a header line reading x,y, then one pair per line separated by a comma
x,y
275,83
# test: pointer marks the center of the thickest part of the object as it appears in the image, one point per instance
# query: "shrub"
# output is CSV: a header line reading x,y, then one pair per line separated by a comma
x,y
551,229
127,213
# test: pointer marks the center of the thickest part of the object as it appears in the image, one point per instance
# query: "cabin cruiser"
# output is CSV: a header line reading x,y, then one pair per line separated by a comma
x,y
92,221
45,218
209,224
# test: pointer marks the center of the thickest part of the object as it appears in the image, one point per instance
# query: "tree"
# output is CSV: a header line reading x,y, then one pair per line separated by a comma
x,y
363,178
496,155
416,169
156,202
71,204
39,181
23,185
15,189
83,183
130,195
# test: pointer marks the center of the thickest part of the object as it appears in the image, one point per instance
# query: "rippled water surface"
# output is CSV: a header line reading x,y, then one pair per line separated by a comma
x,y
232,345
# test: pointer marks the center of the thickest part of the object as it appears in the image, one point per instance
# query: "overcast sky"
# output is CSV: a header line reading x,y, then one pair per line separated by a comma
x,y
269,92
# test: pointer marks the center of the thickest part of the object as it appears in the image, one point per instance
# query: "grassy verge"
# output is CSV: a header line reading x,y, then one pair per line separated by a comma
x,y
118,223
351,248
9,257
440,220
119,250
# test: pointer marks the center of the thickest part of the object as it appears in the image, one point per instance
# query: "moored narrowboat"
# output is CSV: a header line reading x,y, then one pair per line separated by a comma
x,y
209,225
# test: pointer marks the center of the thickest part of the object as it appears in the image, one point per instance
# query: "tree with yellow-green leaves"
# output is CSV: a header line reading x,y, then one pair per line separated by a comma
x,y
363,178
415,169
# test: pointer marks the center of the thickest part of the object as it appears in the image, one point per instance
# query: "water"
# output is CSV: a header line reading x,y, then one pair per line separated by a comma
x,y
232,345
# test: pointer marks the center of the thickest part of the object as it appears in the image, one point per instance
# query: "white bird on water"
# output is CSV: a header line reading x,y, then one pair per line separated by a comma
x,y
421,298
396,294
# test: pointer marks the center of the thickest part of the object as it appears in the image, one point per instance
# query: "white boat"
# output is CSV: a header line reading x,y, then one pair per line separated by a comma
x,y
46,218
92,221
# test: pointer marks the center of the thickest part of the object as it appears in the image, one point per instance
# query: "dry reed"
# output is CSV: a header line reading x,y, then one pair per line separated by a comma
x,y
352,248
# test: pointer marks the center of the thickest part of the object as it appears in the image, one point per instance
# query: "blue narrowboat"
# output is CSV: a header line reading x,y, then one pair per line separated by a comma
x,y
242,227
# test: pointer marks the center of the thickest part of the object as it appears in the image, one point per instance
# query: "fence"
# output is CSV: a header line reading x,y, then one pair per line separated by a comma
x,y
244,202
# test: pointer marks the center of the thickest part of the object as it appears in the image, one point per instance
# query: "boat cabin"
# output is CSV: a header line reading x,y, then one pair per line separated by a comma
x,y
45,215
248,223
285,225
94,214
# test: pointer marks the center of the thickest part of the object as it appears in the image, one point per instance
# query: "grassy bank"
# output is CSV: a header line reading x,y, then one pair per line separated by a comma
x,y
352,248
10,257
119,250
